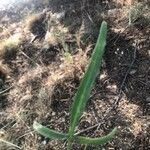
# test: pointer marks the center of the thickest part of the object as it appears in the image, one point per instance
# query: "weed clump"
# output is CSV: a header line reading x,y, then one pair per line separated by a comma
x,y
80,100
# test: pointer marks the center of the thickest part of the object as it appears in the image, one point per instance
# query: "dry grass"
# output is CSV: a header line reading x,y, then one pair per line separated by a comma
x,y
10,43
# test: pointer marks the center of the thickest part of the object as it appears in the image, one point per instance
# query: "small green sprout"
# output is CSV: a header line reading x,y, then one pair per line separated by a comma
x,y
80,100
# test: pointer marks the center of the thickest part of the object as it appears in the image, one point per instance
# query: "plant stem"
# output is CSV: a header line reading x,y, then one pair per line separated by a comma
x,y
69,146
85,147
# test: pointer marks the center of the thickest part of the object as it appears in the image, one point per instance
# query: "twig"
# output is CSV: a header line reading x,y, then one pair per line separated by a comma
x,y
30,132
29,58
125,77
6,90
89,17
146,84
9,143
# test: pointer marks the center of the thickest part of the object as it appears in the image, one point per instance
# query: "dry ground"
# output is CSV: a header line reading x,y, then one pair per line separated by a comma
x,y
39,76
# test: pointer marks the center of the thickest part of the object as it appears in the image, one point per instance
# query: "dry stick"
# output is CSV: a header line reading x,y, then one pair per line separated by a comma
x,y
29,58
146,84
9,143
30,132
125,77
34,38
116,101
2,92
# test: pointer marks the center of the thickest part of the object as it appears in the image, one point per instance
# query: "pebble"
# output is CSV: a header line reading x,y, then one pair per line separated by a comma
x,y
133,72
44,142
148,99
53,113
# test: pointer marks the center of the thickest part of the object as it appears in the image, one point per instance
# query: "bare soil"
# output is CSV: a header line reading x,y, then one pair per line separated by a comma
x,y
41,73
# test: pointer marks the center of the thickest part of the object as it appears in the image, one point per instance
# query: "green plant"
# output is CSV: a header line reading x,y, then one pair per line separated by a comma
x,y
81,99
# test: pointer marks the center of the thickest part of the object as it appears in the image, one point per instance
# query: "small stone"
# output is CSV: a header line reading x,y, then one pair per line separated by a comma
x,y
133,72
44,142
148,99
53,113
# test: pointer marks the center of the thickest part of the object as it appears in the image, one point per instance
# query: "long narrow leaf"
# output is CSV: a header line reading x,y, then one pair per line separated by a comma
x,y
86,84
77,139
52,134
96,141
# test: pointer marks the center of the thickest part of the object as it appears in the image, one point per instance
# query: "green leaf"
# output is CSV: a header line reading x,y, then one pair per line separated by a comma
x,y
96,141
77,139
52,134
81,99
86,84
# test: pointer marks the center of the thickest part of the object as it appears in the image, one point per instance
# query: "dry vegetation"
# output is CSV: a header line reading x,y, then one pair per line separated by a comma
x,y
43,58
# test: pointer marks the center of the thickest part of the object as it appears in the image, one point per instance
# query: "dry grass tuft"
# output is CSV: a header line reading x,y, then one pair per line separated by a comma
x,y
11,43
71,65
